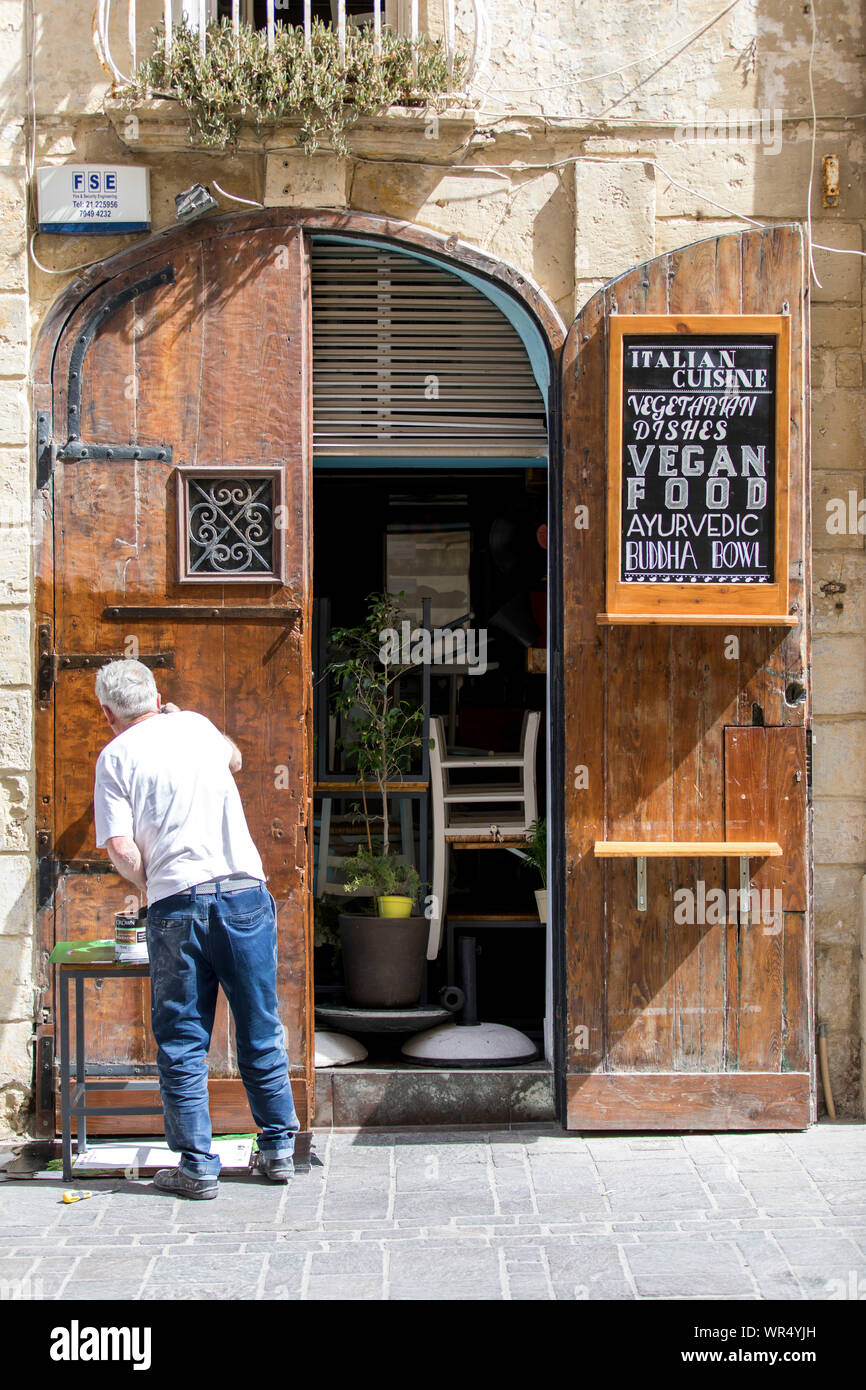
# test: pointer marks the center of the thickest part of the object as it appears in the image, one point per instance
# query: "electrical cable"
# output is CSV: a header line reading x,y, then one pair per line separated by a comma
x,y
614,72
504,170
630,122
64,270
520,168
510,169
234,198
814,140
30,40
74,269
839,250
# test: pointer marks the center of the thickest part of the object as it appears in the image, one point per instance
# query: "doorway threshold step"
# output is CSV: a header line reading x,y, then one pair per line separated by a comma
x,y
399,1094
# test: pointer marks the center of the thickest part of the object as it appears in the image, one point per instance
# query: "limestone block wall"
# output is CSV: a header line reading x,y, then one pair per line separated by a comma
x,y
839,660
587,151
16,712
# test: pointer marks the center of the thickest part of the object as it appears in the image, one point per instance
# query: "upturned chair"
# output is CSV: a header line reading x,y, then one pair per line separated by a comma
x,y
491,811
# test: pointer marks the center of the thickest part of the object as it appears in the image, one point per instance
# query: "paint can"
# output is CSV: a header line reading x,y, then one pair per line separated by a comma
x,y
130,938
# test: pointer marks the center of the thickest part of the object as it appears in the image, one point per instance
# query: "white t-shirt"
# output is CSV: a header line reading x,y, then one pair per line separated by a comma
x,y
165,783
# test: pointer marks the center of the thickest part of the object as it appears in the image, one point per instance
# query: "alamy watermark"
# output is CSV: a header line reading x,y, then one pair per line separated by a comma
x,y
853,1288
738,126
16,1290
77,1343
701,906
846,516
438,646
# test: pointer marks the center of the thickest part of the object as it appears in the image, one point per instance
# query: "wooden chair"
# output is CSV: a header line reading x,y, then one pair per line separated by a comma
x,y
488,812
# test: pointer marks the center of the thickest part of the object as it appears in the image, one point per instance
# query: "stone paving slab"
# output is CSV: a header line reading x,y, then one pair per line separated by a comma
x,y
525,1213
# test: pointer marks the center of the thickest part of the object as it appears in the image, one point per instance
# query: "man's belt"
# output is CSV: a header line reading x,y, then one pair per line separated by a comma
x,y
227,886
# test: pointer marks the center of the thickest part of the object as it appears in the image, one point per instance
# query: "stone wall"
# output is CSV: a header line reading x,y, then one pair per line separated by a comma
x,y
16,710
572,178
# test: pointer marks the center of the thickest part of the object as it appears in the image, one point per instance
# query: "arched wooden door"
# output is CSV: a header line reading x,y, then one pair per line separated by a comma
x,y
672,733
179,487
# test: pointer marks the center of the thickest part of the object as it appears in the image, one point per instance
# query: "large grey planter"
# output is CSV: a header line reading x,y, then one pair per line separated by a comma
x,y
383,959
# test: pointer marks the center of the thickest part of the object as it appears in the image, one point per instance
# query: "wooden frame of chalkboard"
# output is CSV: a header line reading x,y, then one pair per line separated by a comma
x,y
698,464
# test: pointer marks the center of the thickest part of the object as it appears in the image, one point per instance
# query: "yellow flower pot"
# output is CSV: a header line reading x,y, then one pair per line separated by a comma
x,y
394,905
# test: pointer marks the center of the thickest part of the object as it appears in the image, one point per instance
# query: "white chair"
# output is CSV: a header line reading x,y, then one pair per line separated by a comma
x,y
484,813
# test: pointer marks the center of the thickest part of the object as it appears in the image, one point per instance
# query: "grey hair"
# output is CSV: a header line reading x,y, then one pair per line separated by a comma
x,y
127,687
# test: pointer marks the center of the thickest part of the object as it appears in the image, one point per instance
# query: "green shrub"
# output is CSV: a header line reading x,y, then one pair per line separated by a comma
x,y
327,89
536,851
384,873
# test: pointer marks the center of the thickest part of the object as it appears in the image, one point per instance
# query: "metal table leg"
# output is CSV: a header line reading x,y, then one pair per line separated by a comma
x,y
422,839
423,870
65,1118
407,828
81,1119
321,878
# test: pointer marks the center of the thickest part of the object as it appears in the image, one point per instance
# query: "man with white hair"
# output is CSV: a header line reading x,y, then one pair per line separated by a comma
x,y
168,811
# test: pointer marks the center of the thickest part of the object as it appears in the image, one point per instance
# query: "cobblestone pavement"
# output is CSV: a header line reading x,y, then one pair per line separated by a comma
x,y
528,1213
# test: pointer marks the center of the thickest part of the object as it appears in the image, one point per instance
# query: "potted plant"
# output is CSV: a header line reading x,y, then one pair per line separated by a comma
x,y
396,886
383,949
536,855
326,944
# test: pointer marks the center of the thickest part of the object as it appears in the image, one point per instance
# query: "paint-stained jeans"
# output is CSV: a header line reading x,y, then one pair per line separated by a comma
x,y
197,942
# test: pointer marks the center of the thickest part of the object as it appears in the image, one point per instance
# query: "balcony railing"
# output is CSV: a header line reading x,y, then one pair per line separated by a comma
x,y
461,26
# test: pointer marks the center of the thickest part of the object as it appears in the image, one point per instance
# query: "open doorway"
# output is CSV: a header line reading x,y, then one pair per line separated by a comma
x,y
430,484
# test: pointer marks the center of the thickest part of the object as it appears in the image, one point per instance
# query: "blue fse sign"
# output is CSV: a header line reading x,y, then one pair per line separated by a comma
x,y
93,199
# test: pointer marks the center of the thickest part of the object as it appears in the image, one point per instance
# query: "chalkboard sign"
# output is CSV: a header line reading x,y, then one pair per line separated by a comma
x,y
697,488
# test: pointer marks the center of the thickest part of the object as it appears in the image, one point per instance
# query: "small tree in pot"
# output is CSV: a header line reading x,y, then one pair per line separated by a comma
x,y
383,954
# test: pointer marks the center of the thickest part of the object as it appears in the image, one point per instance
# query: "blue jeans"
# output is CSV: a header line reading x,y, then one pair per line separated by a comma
x,y
197,942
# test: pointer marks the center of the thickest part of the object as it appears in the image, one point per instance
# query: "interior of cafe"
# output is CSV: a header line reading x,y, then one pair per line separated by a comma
x,y
430,486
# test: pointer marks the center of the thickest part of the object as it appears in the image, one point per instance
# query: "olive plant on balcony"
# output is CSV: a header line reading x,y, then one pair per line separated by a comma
x,y
327,85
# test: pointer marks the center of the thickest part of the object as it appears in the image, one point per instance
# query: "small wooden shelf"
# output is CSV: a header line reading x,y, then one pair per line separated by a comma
x,y
687,849
642,850
697,619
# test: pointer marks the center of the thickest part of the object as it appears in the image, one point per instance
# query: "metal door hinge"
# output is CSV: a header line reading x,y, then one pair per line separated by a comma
x,y
77,451
45,451
49,869
202,613
44,1073
45,676
51,663
46,868
73,451
84,866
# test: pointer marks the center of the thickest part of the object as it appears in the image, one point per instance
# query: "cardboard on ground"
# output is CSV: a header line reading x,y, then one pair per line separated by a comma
x,y
120,1155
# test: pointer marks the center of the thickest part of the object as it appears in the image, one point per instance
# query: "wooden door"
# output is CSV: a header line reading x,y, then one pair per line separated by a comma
x,y
668,737
189,363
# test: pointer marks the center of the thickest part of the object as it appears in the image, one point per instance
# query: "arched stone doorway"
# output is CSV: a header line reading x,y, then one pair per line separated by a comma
x,y
198,341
